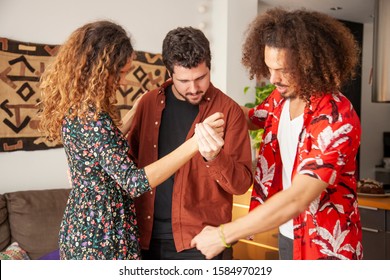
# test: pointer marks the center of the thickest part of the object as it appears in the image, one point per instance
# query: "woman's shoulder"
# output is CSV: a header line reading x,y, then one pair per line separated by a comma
x,y
90,123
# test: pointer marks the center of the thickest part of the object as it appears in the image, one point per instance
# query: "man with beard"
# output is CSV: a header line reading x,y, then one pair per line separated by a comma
x,y
201,192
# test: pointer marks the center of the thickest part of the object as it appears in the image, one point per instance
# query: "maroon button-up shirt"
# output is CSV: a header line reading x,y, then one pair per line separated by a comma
x,y
203,191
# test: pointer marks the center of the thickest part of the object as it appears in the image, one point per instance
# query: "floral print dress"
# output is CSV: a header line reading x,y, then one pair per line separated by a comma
x,y
99,220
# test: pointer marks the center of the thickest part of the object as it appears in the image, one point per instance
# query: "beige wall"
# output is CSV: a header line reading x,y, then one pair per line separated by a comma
x,y
224,22
45,21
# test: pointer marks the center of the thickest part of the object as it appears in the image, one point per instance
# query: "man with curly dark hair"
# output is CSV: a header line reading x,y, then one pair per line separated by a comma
x,y
305,181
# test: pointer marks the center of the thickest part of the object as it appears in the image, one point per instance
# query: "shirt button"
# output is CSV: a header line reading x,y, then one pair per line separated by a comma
x,y
154,146
207,166
208,98
162,101
156,123
148,217
151,192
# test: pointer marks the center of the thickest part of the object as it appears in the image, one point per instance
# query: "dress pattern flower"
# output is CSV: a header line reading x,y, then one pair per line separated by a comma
x,y
99,220
328,143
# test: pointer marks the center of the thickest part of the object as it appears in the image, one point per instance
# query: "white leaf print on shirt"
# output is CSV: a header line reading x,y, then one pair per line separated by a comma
x,y
267,138
332,247
261,114
267,174
314,207
327,136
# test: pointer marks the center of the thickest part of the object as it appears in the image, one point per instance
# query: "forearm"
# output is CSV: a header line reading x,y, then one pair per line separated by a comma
x,y
263,218
127,121
213,240
162,169
129,117
278,209
251,126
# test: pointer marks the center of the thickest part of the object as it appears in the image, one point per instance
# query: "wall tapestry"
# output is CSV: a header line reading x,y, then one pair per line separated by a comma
x,y
22,64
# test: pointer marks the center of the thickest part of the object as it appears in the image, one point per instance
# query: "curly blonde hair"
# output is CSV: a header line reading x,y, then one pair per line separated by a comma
x,y
322,53
84,76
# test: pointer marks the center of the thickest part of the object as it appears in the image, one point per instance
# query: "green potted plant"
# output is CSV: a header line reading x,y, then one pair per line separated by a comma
x,y
261,93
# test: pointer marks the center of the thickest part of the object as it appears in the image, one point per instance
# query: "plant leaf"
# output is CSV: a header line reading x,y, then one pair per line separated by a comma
x,y
261,93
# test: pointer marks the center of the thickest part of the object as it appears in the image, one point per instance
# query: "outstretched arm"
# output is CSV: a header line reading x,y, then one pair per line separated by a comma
x,y
251,125
280,208
162,169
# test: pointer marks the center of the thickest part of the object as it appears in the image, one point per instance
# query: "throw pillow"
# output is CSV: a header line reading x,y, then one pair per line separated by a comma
x,y
14,252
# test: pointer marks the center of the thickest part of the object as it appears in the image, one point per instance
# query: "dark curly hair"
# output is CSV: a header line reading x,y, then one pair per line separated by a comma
x,y
322,53
187,47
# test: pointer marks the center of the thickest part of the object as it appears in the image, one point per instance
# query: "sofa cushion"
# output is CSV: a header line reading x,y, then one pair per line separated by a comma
x,y
14,252
35,217
5,234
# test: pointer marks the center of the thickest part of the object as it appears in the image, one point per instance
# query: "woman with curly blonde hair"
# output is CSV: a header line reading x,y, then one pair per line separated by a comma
x,y
78,108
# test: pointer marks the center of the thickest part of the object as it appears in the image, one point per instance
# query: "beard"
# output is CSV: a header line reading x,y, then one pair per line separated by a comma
x,y
285,90
197,96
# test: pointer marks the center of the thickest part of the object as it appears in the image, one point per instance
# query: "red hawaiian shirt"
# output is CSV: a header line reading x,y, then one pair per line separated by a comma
x,y
328,143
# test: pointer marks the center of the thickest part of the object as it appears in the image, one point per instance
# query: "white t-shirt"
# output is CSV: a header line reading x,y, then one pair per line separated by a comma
x,y
288,135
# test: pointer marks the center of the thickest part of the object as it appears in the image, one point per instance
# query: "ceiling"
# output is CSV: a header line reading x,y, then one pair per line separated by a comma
x,y
352,10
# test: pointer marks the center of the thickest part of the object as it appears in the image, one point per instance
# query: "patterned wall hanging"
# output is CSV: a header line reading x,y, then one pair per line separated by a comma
x,y
22,64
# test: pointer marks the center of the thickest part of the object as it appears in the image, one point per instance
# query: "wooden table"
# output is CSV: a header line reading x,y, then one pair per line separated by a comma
x,y
375,202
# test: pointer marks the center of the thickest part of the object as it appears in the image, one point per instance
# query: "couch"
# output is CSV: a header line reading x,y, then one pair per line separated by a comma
x,y
30,222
